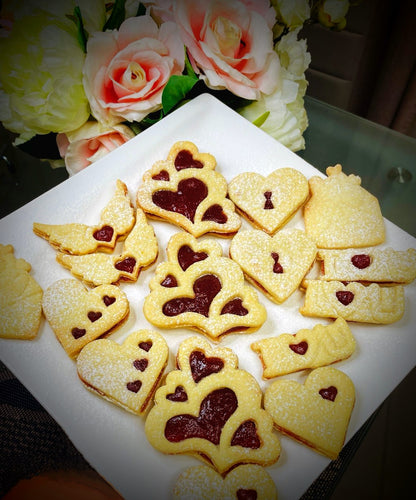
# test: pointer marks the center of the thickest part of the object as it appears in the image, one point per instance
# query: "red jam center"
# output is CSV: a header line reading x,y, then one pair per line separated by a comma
x,y
277,268
178,396
329,393
126,265
268,204
185,200
184,159
108,300
140,364
163,175
78,332
236,307
104,234
205,288
134,386
94,316
146,346
187,257
300,348
345,297
243,494
216,214
201,366
170,281
216,408
246,436
361,261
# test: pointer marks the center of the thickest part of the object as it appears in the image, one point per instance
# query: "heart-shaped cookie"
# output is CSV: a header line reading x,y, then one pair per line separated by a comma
x,y
78,315
275,264
126,374
269,202
316,413
243,482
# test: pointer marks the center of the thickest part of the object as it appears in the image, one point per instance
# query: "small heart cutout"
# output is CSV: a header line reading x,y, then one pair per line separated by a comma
x,y
179,395
184,159
187,257
94,316
202,366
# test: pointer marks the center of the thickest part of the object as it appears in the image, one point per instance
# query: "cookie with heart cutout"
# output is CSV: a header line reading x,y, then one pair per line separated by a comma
x,y
189,194
116,221
78,315
353,301
127,374
342,214
269,202
381,265
200,289
243,482
316,413
20,297
140,250
307,349
211,409
277,264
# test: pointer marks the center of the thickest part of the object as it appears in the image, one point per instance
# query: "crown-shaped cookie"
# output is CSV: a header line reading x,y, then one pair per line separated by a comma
x,y
211,409
116,220
185,190
383,265
269,202
20,297
197,288
140,250
309,348
127,374
353,301
341,213
247,481
276,265
78,315
316,413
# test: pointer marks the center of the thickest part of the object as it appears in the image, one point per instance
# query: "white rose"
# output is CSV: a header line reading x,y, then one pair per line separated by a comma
x,y
292,13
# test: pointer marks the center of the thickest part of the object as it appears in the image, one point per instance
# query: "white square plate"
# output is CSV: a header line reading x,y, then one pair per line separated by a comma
x,y
113,440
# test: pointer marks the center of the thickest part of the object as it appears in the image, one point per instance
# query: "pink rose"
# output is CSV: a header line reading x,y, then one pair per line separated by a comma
x,y
231,44
125,71
89,143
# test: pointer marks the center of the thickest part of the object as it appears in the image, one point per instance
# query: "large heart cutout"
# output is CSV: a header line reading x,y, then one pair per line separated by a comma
x,y
126,374
275,264
78,316
316,413
190,193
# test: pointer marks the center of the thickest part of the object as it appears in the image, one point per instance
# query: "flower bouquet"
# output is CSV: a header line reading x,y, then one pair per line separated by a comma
x,y
97,73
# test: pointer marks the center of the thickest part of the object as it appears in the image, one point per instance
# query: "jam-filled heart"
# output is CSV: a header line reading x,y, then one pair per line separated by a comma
x,y
104,234
184,159
134,386
268,204
163,175
215,213
94,316
234,306
126,265
277,267
205,289
78,332
108,300
185,200
170,281
178,396
246,436
361,261
345,297
329,393
216,408
201,366
187,257
300,348
140,364
146,346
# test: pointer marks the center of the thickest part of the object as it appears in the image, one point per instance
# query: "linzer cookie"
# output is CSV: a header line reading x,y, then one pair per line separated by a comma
x,y
140,250
269,202
244,482
20,297
316,413
383,265
353,301
185,190
127,374
212,410
78,315
116,221
200,289
308,349
341,213
276,265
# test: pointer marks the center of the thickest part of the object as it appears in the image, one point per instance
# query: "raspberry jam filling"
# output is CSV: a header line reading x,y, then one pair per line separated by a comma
x,y
345,297
246,436
277,267
178,396
300,348
185,200
329,393
361,261
268,204
104,234
126,265
184,159
187,257
216,214
201,366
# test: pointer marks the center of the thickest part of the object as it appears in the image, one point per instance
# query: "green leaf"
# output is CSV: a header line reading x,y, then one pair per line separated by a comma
x,y
82,35
175,90
117,16
261,119
188,67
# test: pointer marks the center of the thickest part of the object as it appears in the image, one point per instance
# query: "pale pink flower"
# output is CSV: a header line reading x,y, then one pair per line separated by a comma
x,y
90,143
125,71
231,44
